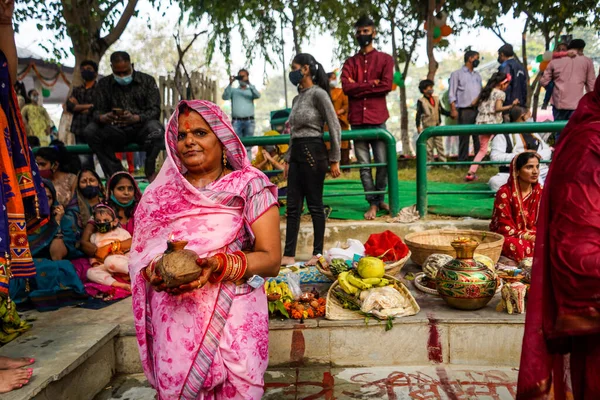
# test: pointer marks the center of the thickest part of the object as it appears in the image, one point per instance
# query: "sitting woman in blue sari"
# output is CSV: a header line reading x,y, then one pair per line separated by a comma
x,y
56,282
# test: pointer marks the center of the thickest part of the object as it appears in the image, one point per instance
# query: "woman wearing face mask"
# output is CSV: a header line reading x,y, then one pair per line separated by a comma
x,y
36,118
54,165
88,194
307,159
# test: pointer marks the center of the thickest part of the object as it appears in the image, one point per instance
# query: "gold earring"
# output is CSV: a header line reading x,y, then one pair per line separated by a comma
x,y
224,159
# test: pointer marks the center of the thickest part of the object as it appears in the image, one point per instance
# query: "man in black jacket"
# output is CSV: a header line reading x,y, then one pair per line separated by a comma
x,y
126,110
517,89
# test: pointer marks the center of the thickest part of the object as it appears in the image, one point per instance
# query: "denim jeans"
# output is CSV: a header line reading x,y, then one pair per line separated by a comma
x,y
362,149
244,128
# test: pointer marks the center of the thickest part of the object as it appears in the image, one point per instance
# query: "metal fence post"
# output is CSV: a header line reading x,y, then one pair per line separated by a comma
x,y
422,172
392,162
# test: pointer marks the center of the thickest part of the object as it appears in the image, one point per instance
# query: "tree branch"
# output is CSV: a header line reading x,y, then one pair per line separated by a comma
x,y
119,28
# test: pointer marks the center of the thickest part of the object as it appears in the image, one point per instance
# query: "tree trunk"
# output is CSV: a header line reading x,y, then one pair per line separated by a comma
x,y
406,145
524,58
295,32
536,97
433,65
84,26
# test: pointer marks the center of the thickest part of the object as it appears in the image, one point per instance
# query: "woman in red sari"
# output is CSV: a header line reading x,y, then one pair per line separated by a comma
x,y
561,346
517,205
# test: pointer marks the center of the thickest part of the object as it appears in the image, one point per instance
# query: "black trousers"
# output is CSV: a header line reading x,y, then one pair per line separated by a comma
x,y
306,175
87,160
106,140
467,116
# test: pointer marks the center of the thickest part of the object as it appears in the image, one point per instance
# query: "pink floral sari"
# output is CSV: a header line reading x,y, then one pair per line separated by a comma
x,y
211,343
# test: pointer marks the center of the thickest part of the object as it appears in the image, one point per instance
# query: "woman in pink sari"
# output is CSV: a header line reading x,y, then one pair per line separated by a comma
x,y
207,339
561,346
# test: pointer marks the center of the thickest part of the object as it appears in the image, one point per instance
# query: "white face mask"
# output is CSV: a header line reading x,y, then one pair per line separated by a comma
x,y
333,83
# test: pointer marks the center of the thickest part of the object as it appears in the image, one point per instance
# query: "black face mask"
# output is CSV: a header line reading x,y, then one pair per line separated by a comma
x,y
104,227
90,192
475,63
364,40
296,77
88,75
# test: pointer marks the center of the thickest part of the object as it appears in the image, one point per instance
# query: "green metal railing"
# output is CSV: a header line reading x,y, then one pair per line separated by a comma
x,y
467,130
367,134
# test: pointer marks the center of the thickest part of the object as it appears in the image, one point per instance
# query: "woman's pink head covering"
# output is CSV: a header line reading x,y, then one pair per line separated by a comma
x,y
220,125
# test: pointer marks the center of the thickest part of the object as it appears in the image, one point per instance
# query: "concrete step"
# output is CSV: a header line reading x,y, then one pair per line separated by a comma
x,y
73,362
395,382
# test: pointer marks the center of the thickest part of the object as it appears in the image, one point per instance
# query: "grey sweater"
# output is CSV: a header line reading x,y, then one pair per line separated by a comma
x,y
311,109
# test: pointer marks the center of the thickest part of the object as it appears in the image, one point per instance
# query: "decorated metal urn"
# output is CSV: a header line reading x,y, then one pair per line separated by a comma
x,y
464,282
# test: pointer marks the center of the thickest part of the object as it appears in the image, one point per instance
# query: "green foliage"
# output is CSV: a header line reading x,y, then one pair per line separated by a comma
x,y
89,23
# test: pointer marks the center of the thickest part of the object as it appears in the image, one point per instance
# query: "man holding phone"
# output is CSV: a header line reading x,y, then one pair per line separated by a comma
x,y
242,105
126,110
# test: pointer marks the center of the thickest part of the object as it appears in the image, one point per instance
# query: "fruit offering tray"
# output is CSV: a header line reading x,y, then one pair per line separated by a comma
x,y
336,311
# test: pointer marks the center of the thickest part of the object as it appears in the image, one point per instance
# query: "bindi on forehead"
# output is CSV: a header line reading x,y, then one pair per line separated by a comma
x,y
186,125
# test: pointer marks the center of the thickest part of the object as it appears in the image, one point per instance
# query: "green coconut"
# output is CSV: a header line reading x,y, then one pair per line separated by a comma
x,y
371,267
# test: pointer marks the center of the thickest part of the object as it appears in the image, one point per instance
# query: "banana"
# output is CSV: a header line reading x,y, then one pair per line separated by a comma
x,y
384,282
345,285
372,281
359,283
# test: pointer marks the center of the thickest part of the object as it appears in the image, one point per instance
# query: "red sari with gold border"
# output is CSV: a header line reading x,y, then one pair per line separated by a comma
x,y
515,216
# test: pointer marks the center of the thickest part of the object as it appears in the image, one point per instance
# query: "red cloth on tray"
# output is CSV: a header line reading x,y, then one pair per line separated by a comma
x,y
387,243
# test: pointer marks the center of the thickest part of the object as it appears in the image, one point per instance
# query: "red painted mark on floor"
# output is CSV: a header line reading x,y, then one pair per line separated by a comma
x,y
434,346
298,346
445,382
401,385
421,386
326,386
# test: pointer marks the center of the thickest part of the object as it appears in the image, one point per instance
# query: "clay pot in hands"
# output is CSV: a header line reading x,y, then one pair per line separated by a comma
x,y
178,265
464,282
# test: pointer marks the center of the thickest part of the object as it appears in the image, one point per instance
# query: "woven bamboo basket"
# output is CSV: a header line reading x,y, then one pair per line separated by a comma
x,y
335,311
391,268
424,244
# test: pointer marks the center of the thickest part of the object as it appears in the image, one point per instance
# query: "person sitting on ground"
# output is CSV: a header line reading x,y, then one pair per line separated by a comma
x,y
505,147
516,207
123,195
113,243
81,105
56,281
37,121
54,164
126,110
429,113
88,194
490,106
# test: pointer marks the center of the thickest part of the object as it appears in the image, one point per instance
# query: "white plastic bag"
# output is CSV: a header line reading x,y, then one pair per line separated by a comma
x,y
293,282
346,252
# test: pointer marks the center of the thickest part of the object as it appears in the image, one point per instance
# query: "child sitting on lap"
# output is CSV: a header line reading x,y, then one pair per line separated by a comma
x,y
109,258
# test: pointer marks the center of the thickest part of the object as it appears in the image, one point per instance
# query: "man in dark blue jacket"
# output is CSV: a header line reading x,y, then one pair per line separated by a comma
x,y
517,88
